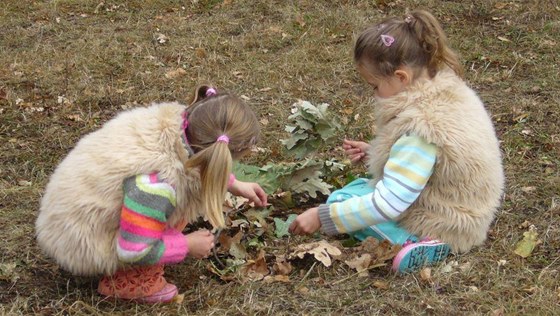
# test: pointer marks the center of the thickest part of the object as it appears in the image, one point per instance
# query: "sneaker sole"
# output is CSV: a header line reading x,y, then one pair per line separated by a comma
x,y
415,256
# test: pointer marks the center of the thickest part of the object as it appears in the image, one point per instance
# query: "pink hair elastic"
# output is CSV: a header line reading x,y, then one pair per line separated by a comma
x,y
210,92
223,138
387,40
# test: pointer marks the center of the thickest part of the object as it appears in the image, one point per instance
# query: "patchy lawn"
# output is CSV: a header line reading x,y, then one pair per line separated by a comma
x,y
67,66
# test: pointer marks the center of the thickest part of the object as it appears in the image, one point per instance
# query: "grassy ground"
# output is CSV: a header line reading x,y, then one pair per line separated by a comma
x,y
68,66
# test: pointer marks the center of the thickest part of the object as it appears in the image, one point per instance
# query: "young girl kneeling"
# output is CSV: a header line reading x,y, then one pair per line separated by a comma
x,y
435,161
116,205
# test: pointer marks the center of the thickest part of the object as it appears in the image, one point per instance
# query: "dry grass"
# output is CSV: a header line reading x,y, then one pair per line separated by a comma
x,y
68,66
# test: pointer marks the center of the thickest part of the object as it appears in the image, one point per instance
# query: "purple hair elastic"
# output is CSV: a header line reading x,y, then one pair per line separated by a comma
x,y
387,40
223,138
210,92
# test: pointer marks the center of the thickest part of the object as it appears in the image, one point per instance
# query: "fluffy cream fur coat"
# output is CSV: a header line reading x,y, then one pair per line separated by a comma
x,y
80,210
464,192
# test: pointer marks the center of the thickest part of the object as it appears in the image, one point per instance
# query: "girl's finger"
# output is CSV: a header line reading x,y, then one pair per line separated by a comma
x,y
353,151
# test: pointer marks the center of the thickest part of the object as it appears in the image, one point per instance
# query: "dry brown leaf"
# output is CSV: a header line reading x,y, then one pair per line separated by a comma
x,y
256,269
176,73
303,290
300,20
225,241
74,117
281,266
500,5
382,285
360,264
321,250
499,312
179,298
528,189
237,249
161,38
380,250
277,278
426,274
24,183
200,52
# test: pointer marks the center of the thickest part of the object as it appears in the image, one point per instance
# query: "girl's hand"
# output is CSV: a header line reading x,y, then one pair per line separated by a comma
x,y
355,150
200,243
306,223
249,190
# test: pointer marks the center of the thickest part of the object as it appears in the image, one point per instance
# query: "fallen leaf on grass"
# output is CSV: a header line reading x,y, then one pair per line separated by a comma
x,y
499,312
321,250
200,52
426,274
175,73
382,285
178,299
525,247
380,250
74,117
360,264
234,245
500,5
161,38
257,269
8,272
281,266
303,290
276,278
24,183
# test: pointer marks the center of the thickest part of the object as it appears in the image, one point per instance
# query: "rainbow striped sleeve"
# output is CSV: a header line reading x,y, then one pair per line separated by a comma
x,y
144,237
410,165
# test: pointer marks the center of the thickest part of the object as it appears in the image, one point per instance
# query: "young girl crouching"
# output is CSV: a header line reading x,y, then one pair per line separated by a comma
x,y
116,205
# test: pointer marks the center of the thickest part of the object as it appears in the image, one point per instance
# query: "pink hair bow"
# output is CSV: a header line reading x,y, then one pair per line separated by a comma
x,y
387,40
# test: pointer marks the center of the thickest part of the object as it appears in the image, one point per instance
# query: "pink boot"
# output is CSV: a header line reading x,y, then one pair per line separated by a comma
x,y
141,284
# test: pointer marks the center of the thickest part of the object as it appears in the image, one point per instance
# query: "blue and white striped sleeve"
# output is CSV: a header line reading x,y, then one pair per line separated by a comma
x,y
410,165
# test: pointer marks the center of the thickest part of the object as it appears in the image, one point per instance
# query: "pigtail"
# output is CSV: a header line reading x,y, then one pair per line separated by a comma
x,y
221,128
199,94
215,165
433,41
215,180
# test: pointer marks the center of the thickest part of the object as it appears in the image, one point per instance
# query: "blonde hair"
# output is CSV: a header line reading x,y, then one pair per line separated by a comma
x,y
210,117
419,42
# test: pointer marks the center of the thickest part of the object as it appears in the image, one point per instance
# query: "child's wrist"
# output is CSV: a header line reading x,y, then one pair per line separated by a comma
x,y
231,180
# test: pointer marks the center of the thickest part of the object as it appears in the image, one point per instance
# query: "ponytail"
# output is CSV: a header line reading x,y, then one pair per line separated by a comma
x,y
433,41
221,128
215,163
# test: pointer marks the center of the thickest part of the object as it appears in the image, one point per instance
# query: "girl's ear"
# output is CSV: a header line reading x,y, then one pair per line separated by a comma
x,y
404,76
199,94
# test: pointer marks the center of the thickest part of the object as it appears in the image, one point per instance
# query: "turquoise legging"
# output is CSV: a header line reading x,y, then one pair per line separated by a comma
x,y
390,231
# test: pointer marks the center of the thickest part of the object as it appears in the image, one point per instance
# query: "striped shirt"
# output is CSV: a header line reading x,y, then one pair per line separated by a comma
x,y
410,165
144,236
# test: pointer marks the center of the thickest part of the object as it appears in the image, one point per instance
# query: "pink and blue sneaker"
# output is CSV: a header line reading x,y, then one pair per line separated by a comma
x,y
415,255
